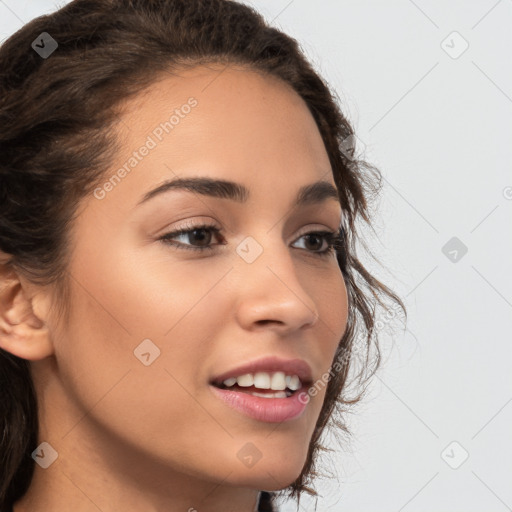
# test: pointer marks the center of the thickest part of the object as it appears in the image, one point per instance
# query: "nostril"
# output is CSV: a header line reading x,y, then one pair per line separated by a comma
x,y
265,322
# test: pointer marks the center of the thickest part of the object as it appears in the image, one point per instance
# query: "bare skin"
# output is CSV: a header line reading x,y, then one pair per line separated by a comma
x,y
154,438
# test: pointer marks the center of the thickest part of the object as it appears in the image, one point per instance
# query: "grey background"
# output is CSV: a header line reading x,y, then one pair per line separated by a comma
x,y
439,128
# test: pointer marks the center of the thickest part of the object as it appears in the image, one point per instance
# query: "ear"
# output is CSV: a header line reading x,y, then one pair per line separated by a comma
x,y
22,332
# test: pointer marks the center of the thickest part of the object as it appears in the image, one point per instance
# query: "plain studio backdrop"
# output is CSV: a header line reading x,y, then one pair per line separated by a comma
x,y
428,88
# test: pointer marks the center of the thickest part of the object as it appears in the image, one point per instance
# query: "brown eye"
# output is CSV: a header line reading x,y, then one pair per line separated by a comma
x,y
319,239
316,240
199,237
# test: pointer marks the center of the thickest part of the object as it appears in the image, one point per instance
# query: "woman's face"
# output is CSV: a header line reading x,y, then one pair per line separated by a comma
x,y
153,323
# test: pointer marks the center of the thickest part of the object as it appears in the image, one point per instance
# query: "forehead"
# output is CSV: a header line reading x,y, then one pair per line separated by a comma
x,y
224,122
234,106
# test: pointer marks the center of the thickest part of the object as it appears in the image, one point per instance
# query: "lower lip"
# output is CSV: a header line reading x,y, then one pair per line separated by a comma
x,y
270,410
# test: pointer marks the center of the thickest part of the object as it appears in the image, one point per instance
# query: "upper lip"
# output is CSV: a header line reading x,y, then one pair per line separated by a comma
x,y
297,367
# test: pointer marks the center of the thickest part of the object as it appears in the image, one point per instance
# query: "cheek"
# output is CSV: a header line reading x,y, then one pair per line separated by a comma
x,y
336,294
331,298
145,291
126,314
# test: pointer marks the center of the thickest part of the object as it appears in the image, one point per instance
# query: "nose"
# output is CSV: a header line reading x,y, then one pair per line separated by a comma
x,y
272,294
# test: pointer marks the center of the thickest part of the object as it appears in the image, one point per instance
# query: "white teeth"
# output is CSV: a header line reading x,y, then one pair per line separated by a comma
x,y
245,380
262,380
295,383
230,382
278,381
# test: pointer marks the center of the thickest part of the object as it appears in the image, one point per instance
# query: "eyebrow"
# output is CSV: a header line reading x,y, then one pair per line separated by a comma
x,y
313,193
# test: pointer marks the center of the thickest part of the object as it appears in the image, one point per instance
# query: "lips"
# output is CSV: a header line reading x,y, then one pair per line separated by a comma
x,y
268,410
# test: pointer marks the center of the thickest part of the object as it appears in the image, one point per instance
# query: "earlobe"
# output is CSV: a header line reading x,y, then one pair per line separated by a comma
x,y
22,333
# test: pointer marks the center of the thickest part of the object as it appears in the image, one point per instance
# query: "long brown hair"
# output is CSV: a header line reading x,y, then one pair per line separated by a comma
x,y
56,145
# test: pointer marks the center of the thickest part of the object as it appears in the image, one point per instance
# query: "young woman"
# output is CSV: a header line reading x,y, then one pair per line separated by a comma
x,y
180,294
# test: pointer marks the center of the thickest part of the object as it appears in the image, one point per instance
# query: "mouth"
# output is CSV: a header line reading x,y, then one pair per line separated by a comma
x,y
268,396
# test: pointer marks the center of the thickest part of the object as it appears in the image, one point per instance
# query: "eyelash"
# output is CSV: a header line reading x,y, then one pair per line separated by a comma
x,y
334,239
